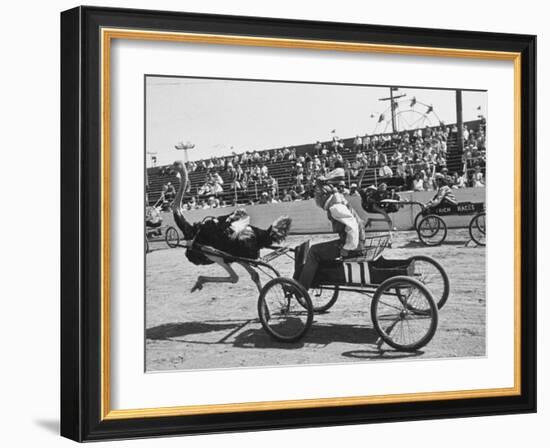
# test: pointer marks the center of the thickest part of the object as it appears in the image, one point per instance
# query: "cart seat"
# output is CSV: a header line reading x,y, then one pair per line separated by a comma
x,y
360,273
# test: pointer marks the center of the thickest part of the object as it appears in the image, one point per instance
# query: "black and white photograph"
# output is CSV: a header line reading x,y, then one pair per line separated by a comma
x,y
297,223
264,224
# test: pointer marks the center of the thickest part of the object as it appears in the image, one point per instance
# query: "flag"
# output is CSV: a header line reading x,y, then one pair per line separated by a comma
x,y
430,109
478,107
381,118
333,131
413,102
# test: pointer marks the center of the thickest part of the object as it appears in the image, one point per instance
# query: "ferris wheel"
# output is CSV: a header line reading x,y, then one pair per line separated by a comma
x,y
404,114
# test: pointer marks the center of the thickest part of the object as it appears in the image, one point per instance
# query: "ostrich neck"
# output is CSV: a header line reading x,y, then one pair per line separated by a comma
x,y
177,206
178,200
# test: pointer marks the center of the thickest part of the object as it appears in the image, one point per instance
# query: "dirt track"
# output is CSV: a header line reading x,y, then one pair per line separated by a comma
x,y
218,327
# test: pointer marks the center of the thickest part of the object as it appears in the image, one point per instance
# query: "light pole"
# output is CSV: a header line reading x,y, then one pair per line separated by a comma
x,y
393,105
185,147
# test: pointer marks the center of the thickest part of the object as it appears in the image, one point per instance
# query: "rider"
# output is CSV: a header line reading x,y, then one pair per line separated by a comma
x,y
167,195
371,198
153,220
444,195
345,222
371,201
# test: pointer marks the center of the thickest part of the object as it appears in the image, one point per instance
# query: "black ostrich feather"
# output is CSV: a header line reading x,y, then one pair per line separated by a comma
x,y
228,233
218,232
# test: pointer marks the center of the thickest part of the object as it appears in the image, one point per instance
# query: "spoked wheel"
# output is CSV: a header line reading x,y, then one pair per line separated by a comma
x,y
432,230
323,299
477,229
172,237
395,317
432,275
285,309
417,219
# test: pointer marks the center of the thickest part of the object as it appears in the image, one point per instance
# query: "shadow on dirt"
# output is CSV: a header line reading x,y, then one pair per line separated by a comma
x,y
380,354
319,334
419,245
174,330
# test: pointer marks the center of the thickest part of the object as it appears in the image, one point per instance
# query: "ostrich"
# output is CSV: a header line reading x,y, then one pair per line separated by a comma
x,y
229,233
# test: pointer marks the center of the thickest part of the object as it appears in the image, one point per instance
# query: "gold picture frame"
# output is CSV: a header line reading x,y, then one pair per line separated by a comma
x,y
109,26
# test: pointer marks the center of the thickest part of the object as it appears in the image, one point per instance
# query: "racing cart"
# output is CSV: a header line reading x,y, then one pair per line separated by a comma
x,y
431,227
406,293
155,231
168,234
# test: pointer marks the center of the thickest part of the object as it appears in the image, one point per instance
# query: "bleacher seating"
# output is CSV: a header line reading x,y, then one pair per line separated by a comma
x,y
281,170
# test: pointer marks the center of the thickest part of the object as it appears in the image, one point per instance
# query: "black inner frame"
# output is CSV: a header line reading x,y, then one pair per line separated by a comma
x,y
81,223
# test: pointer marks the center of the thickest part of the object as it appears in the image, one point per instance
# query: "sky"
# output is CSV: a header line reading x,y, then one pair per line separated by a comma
x,y
224,116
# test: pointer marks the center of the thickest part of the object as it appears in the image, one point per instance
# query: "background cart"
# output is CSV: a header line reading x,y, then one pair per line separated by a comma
x,y
431,227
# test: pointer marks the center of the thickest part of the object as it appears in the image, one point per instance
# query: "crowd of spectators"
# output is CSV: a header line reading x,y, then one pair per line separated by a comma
x,y
406,160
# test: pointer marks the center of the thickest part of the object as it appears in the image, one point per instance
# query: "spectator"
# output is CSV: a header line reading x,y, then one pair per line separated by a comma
x,y
213,202
478,177
337,174
273,186
318,148
286,197
461,181
418,183
192,204
167,195
207,187
385,171
342,188
407,158
357,143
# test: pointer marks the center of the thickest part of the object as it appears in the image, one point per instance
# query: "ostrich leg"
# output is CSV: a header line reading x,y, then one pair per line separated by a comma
x,y
253,275
201,280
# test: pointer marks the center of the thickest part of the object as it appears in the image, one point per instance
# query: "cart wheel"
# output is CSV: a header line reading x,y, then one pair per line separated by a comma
x,y
432,230
477,229
432,275
323,299
172,237
285,309
394,319
417,219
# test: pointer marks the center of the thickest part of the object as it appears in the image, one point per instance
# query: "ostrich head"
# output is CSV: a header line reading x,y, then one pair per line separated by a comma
x,y
178,166
280,228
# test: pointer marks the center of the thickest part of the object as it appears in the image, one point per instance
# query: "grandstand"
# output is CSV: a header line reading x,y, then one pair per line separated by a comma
x,y
281,169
